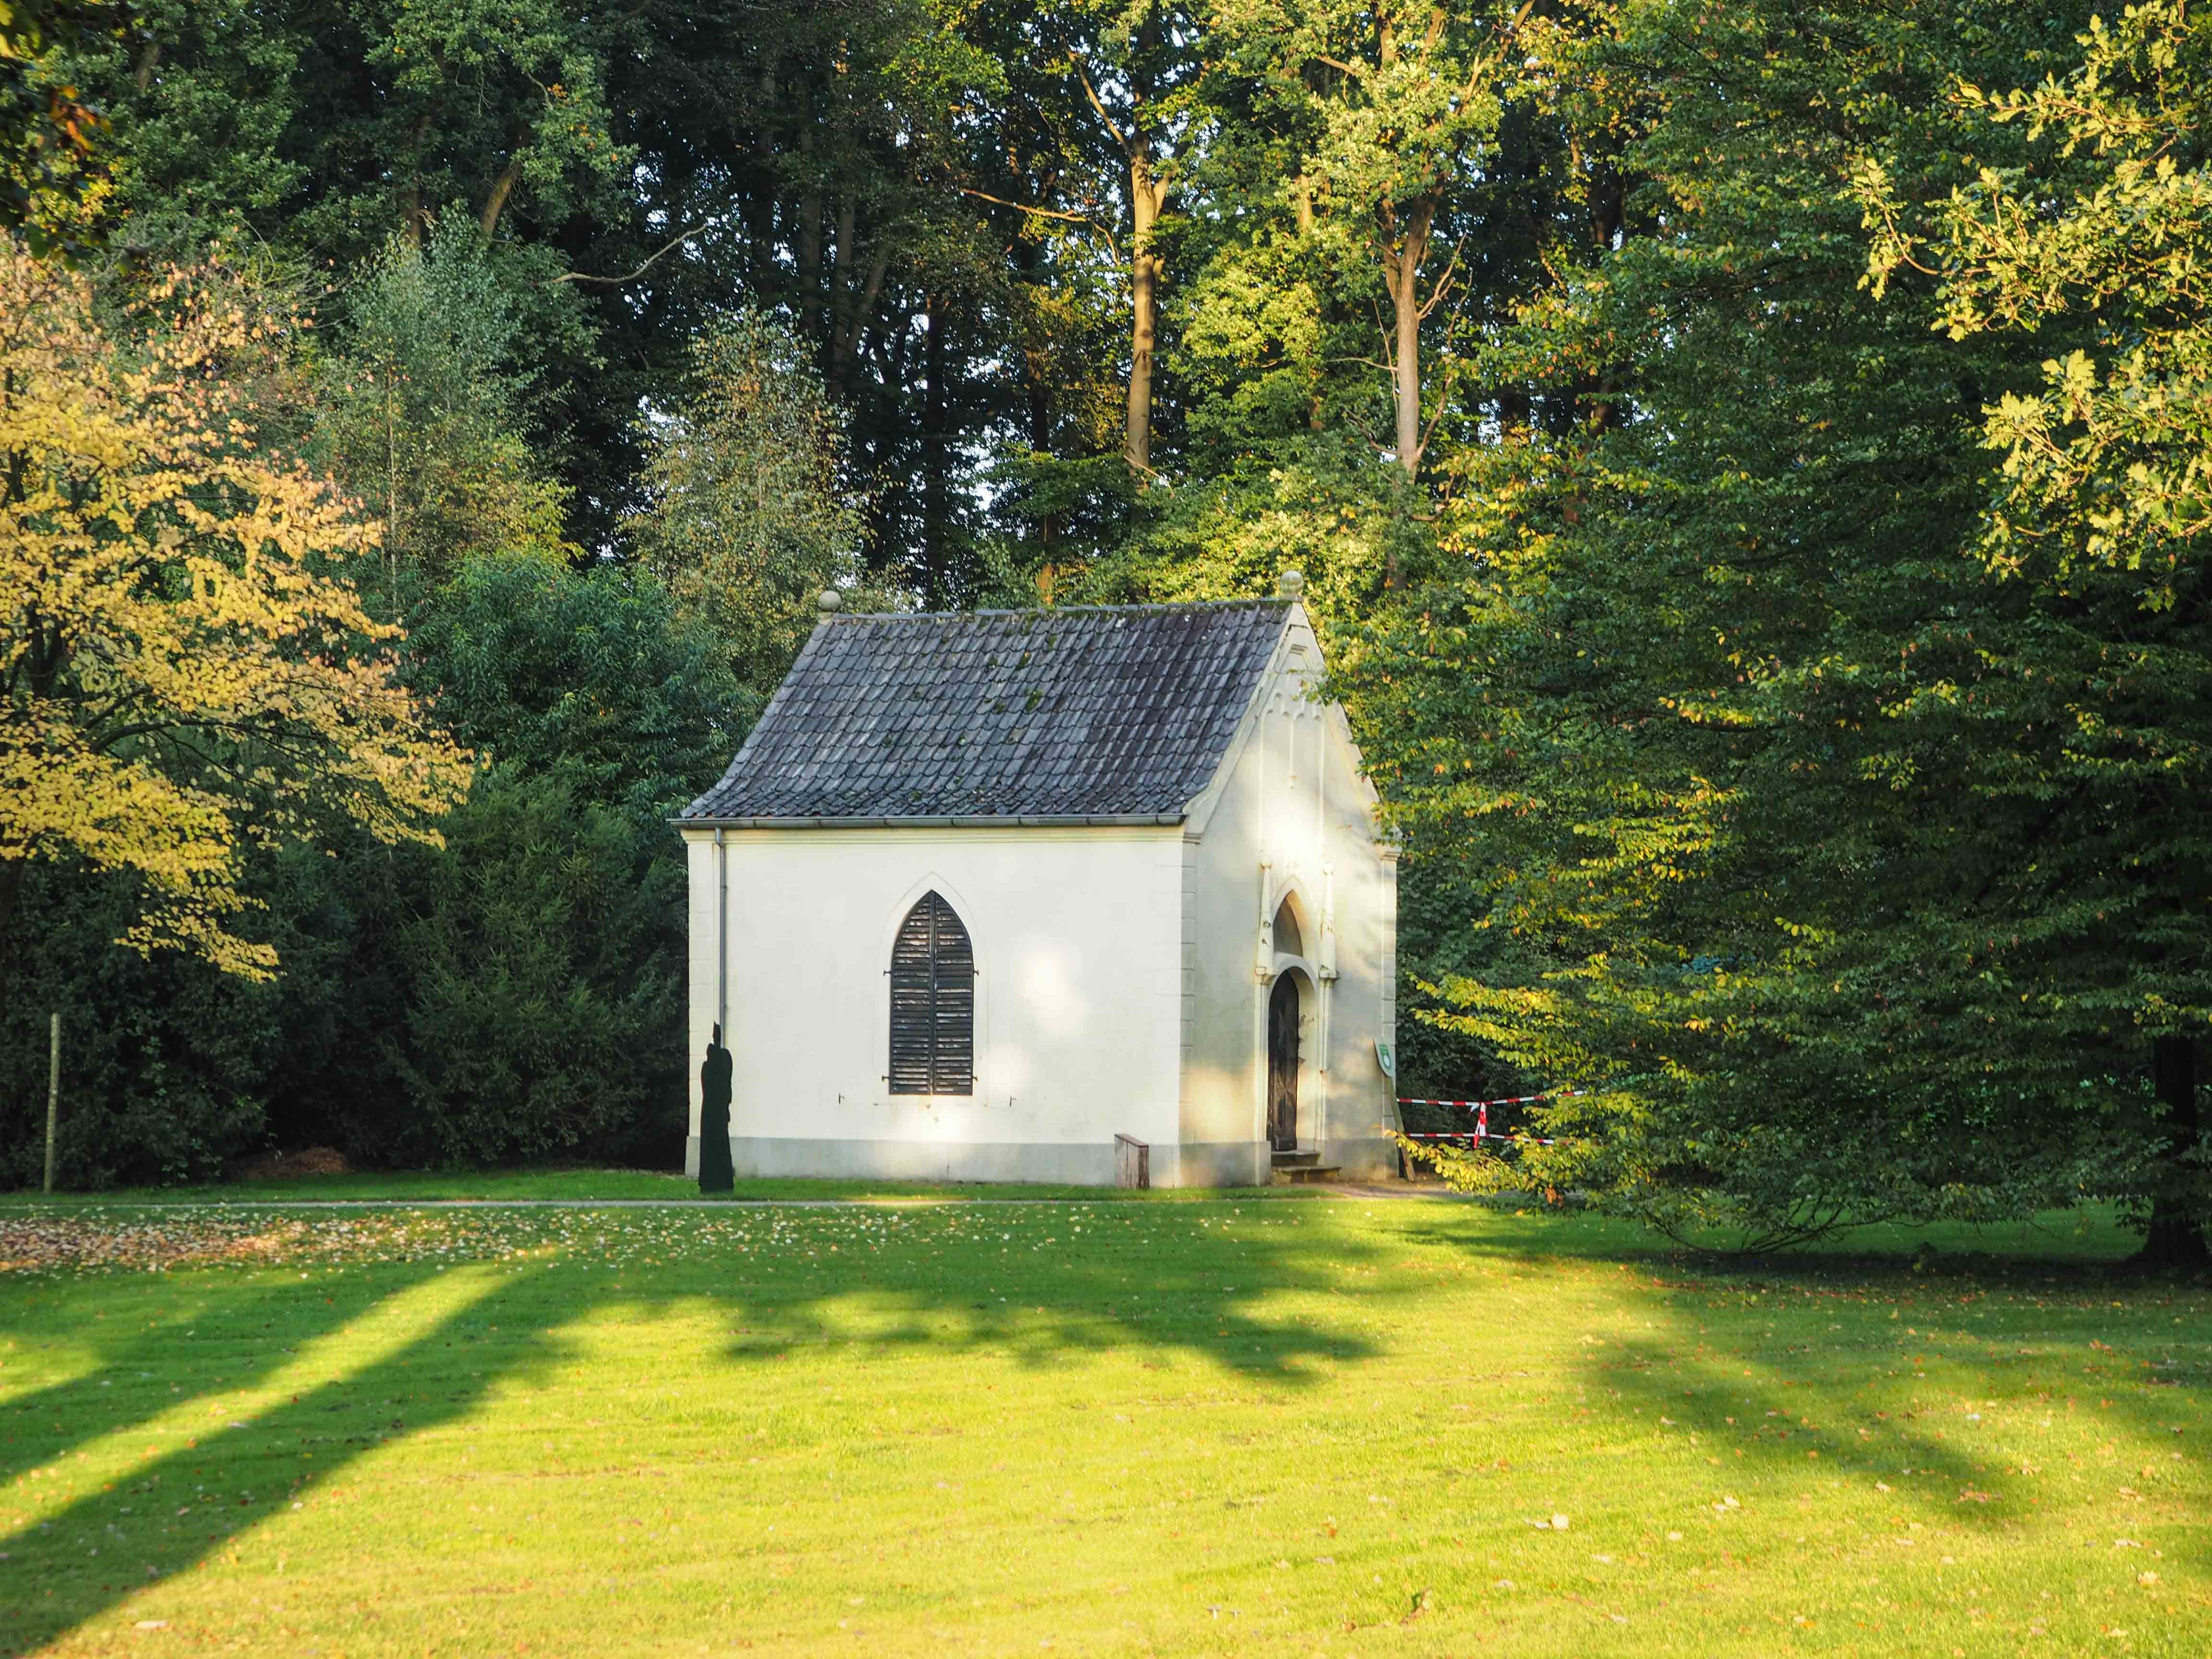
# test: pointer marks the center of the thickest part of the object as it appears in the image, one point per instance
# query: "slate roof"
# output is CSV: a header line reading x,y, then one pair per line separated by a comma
x,y
1105,711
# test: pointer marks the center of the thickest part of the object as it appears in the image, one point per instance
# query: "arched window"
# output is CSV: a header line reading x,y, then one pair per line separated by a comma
x,y
932,1003
1289,941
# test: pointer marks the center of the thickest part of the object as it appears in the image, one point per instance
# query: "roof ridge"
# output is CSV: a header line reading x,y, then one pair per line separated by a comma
x,y
1054,611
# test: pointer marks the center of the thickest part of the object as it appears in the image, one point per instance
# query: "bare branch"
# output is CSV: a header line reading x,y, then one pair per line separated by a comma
x,y
681,237
1442,288
1083,219
1091,93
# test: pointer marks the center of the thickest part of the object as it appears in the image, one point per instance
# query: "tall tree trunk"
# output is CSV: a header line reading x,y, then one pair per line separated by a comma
x,y
765,197
502,188
2176,1236
932,458
1599,391
844,252
810,248
1607,204
413,215
1036,389
1402,272
856,311
1147,197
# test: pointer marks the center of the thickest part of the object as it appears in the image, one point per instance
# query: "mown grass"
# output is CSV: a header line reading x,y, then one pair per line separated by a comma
x,y
576,1185
1226,1425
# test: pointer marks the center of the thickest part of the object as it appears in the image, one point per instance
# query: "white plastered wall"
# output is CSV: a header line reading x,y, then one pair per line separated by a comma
x,y
1290,814
1076,934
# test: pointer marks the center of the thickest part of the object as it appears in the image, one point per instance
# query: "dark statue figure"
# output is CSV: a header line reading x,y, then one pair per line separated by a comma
x,y
716,1173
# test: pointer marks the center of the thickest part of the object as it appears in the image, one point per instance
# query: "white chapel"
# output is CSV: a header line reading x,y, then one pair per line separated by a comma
x,y
1076,895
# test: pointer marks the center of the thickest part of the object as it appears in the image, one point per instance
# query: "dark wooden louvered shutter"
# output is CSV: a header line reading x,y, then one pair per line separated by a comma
x,y
932,1003
953,1055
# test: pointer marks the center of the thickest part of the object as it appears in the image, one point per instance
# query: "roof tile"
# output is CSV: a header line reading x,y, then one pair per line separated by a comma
x,y
1105,711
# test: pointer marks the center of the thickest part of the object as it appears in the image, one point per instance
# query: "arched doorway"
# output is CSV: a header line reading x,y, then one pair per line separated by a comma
x,y
1283,1064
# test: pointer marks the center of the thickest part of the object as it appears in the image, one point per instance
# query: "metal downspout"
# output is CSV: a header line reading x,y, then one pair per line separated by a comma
x,y
721,937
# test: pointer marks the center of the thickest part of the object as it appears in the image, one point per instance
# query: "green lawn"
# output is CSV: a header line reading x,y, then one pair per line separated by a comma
x,y
425,1186
1300,1425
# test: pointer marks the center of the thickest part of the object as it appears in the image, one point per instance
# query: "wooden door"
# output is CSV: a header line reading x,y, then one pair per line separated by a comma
x,y
1283,1065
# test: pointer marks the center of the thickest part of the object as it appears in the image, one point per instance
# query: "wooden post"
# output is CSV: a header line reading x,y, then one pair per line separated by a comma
x,y
53,1091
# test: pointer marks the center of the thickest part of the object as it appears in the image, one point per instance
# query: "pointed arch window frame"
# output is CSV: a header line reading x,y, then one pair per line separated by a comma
x,y
932,983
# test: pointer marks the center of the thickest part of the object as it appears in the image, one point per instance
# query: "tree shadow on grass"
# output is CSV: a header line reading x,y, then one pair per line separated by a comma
x,y
139,1338
1040,1288
1866,1369
174,1509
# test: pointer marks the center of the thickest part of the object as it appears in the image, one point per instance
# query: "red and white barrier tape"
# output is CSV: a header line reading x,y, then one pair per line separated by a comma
x,y
1482,1110
1510,1100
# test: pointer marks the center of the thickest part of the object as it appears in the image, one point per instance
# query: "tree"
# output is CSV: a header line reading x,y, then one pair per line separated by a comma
x,y
48,152
1654,700
1394,109
314,130
1133,66
594,672
2095,666
185,664
823,151
422,410
544,955
540,953
747,518
329,123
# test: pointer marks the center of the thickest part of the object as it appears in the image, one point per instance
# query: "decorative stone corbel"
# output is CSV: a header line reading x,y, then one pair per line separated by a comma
x,y
1263,954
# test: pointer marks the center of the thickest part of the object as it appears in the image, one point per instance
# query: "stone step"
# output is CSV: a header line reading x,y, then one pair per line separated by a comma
x,y
1304,1175
1283,1160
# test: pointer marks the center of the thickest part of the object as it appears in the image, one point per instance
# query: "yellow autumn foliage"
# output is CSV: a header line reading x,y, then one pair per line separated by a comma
x,y
186,666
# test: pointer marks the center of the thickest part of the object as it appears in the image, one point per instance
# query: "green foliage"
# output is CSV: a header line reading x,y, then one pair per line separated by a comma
x,y
594,673
544,953
514,993
228,110
748,519
165,1058
540,957
51,157
422,409
1838,861
2091,662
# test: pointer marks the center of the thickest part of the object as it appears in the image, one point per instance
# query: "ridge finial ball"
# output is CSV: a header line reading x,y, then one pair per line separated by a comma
x,y
1290,583
829,602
